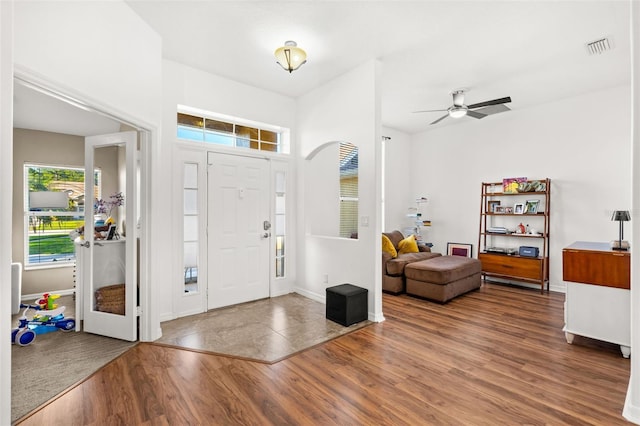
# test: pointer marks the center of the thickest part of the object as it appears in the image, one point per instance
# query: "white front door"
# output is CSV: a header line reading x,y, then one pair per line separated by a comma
x,y
106,263
238,229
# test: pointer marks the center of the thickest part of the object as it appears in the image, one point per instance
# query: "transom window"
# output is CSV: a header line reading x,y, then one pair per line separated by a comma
x,y
47,223
200,128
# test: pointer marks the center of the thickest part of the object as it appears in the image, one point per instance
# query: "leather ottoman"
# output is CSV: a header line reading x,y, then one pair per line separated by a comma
x,y
442,278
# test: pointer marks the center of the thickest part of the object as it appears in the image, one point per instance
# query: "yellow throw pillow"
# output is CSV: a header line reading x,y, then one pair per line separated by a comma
x,y
387,246
408,245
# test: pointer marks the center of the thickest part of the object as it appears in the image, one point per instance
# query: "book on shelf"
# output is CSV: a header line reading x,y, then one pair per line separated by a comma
x,y
497,230
510,185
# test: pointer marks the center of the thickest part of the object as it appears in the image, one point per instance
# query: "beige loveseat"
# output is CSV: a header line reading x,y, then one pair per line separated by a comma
x,y
393,279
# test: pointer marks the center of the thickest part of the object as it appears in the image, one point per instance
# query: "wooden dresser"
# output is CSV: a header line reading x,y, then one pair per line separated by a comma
x,y
597,303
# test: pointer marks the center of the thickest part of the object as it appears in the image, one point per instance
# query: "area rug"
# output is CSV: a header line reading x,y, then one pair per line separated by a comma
x,y
267,330
54,362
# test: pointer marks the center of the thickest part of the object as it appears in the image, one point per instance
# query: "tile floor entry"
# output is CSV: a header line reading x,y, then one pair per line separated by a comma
x,y
266,330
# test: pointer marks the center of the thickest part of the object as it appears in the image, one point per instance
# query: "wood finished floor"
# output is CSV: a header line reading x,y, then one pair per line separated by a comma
x,y
495,356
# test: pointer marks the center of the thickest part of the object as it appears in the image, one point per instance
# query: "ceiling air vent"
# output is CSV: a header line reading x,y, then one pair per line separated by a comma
x,y
599,46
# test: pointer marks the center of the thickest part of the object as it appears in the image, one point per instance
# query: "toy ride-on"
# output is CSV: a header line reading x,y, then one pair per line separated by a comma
x,y
47,318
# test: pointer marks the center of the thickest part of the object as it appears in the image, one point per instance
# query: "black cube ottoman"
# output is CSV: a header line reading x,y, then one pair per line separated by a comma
x,y
347,304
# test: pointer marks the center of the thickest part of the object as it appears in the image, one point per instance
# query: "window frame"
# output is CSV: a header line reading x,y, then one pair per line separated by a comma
x,y
232,132
349,191
29,214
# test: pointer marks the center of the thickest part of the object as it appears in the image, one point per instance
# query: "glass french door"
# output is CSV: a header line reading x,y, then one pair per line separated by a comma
x,y
107,285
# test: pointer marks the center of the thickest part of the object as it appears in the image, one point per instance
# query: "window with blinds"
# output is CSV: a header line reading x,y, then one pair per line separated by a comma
x,y
348,190
47,229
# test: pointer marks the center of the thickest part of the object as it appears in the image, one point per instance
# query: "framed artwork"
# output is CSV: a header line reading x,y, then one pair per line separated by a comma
x,y
518,208
508,210
531,206
457,249
491,205
498,209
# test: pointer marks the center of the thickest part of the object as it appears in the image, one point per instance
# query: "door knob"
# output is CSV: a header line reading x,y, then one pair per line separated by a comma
x,y
266,235
86,244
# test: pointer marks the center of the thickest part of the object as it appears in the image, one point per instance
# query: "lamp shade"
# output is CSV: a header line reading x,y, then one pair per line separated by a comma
x,y
621,215
290,56
48,200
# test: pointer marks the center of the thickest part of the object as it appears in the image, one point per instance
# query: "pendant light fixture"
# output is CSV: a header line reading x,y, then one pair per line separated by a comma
x,y
290,56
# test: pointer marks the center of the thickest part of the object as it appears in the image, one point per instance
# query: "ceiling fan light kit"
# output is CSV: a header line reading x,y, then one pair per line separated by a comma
x,y
290,56
457,111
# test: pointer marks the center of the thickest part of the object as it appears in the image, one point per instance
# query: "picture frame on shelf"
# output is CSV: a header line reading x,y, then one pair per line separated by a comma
x,y
531,206
518,208
498,210
111,234
491,205
508,210
459,249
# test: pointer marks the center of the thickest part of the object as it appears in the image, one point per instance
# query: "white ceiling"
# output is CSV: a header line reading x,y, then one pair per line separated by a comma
x,y
533,51
36,110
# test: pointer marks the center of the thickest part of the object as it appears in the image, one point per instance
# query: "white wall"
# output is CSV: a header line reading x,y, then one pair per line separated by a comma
x,y
323,209
183,85
398,188
345,109
6,158
632,403
103,50
582,144
99,52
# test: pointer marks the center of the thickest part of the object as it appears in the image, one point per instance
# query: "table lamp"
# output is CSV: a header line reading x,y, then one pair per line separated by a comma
x,y
621,216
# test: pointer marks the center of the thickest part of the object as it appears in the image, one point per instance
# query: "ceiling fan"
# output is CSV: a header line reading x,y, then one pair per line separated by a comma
x,y
459,109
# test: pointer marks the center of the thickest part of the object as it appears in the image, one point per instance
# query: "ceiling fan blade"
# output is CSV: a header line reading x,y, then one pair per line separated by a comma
x,y
440,119
493,102
493,109
476,114
430,110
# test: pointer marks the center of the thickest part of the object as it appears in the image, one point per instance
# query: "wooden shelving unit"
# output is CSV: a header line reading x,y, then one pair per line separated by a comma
x,y
507,265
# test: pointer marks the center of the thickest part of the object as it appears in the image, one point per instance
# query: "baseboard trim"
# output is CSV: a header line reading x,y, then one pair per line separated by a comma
x,y
35,296
376,318
631,412
311,295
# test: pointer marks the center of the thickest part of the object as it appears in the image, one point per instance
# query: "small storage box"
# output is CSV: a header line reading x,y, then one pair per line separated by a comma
x,y
528,251
347,304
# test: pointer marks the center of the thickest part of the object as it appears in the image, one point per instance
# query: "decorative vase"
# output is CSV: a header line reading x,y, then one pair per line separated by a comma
x,y
99,219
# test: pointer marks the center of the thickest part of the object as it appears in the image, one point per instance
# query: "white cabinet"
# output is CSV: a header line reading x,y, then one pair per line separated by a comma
x,y
598,299
598,312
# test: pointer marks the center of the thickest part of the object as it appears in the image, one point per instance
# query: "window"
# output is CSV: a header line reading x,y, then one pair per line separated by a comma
x,y
190,223
279,228
46,229
229,133
348,190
